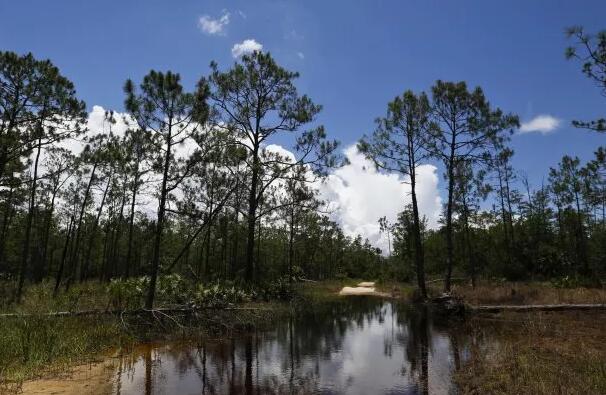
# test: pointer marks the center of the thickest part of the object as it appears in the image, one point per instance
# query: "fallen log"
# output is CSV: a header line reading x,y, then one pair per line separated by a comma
x,y
536,307
437,280
127,312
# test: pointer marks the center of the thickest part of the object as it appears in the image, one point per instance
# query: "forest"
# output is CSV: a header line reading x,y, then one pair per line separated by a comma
x,y
184,188
231,208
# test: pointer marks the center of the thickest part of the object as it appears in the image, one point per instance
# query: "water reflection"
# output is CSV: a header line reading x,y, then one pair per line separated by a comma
x,y
354,346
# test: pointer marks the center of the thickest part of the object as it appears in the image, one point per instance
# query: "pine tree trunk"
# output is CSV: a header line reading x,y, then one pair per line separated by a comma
x,y
75,251
131,224
252,220
291,236
70,229
151,293
117,232
28,227
509,209
470,258
7,218
236,233
47,226
504,217
581,252
449,207
419,253
93,232
209,231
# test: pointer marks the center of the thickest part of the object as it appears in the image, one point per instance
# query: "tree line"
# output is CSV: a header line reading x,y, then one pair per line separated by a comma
x,y
227,204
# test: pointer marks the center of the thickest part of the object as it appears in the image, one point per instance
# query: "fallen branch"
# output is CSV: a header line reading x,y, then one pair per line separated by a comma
x,y
205,223
537,307
442,280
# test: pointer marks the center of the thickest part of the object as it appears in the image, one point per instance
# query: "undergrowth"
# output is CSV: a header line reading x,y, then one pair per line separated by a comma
x,y
37,344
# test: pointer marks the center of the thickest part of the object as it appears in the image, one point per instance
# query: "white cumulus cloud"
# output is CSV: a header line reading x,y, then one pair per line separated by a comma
x,y
245,47
214,26
543,124
360,195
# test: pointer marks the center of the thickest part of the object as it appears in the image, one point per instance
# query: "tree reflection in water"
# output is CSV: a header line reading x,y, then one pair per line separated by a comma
x,y
356,345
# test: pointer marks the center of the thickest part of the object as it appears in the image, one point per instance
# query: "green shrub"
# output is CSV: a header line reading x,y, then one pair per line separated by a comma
x,y
220,295
279,289
130,293
127,293
173,288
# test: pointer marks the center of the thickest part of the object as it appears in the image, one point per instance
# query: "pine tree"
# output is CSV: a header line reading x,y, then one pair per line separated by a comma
x,y
255,101
172,116
399,144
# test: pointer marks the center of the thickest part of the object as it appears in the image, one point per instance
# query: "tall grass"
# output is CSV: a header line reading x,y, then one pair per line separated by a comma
x,y
37,344
537,353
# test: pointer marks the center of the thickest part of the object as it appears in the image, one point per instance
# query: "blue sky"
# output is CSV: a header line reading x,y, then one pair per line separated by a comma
x,y
353,56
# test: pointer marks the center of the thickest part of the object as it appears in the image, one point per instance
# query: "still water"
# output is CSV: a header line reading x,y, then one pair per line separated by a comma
x,y
357,345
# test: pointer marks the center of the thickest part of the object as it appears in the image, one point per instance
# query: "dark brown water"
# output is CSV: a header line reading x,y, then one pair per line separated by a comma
x,y
358,345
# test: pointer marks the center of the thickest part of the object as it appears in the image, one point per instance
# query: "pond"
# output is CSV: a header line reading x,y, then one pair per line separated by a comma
x,y
357,345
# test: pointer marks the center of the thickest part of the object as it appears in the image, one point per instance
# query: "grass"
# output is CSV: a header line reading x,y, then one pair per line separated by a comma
x,y
41,346
403,290
487,293
320,291
38,345
82,296
538,353
532,353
